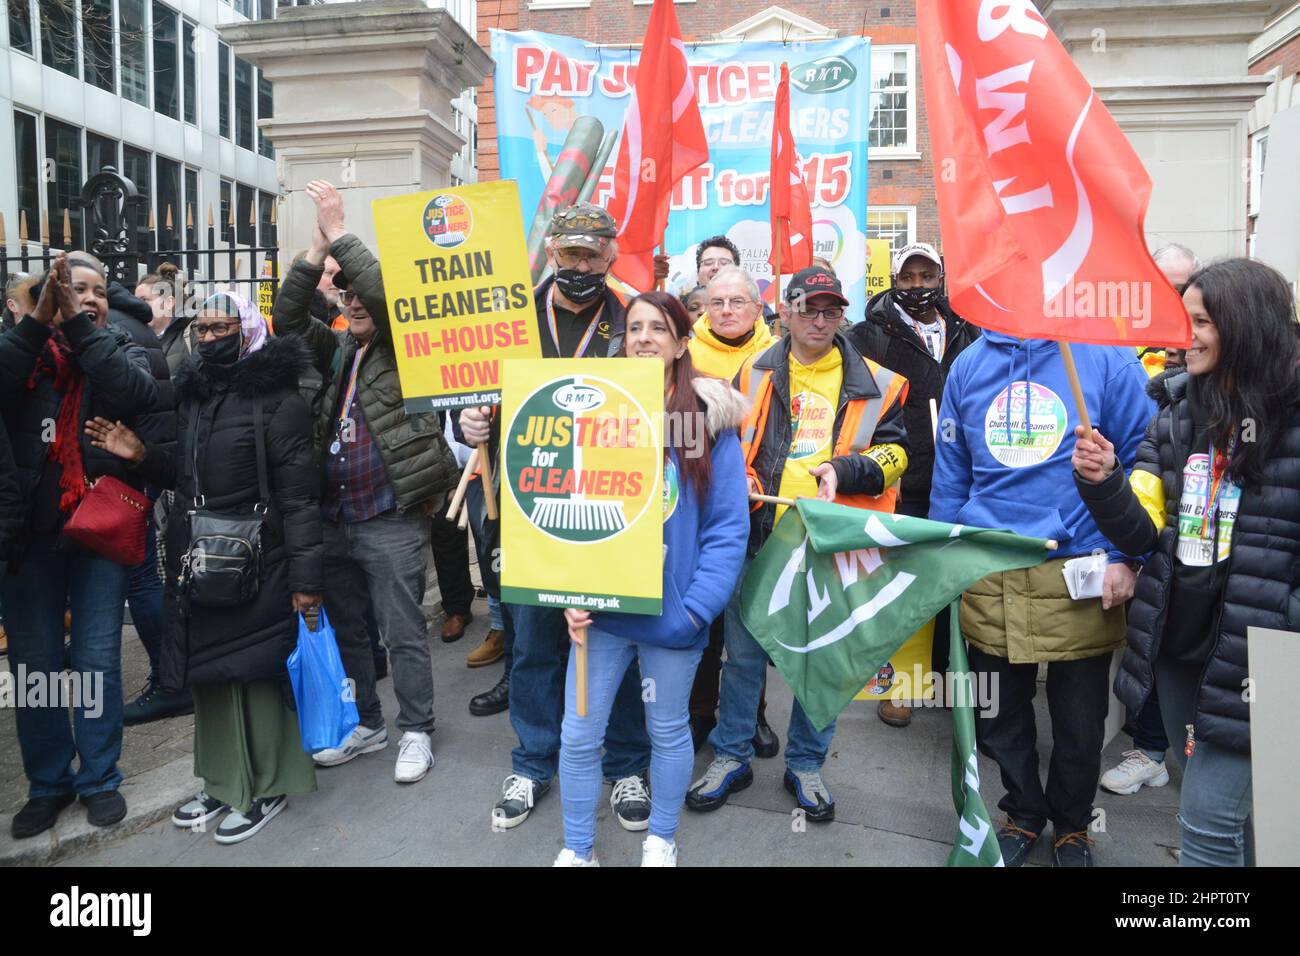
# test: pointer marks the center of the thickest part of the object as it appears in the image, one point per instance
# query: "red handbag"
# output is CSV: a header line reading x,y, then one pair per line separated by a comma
x,y
112,520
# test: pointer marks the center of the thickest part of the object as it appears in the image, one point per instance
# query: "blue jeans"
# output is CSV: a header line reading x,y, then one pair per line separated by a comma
x,y
45,582
742,684
539,659
667,675
144,593
1214,809
1149,729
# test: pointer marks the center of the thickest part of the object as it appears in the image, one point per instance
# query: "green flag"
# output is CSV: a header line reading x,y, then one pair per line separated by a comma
x,y
835,591
977,845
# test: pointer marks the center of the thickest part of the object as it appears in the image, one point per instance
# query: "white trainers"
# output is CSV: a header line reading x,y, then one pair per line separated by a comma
x,y
414,757
363,741
568,858
1133,772
656,851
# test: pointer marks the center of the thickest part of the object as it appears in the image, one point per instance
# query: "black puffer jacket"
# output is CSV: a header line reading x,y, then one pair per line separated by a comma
x,y
132,316
207,645
11,501
1262,588
883,337
118,387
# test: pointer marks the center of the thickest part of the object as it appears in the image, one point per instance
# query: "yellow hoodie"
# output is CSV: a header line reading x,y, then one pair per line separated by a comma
x,y
715,358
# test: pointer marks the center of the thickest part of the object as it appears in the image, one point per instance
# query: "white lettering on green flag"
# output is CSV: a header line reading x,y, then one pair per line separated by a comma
x,y
835,591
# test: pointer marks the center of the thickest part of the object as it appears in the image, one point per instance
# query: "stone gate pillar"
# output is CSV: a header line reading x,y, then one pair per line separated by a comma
x,y
362,98
1174,74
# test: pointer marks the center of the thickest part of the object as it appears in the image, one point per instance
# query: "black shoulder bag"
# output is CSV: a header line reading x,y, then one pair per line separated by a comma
x,y
223,565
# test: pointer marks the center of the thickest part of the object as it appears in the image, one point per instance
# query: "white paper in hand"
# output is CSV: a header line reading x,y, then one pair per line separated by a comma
x,y
1084,576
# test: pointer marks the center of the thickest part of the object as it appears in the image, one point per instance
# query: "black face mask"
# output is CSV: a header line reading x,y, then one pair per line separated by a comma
x,y
918,303
222,352
580,287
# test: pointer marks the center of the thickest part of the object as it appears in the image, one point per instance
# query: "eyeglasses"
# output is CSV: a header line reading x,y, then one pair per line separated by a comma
x,y
833,314
722,261
347,297
572,258
736,303
214,330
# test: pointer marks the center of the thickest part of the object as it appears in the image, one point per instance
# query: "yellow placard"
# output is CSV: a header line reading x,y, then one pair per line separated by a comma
x,y
877,266
581,484
265,300
903,676
459,291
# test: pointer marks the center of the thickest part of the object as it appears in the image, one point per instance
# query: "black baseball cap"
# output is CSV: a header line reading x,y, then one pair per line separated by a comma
x,y
812,281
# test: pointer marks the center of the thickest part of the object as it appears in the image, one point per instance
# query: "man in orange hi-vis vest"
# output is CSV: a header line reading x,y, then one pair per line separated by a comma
x,y
825,423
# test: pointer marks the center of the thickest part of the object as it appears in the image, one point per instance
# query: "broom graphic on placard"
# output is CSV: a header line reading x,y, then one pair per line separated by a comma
x,y
576,513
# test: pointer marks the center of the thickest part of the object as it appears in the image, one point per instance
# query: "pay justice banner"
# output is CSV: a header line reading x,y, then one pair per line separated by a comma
x,y
459,291
581,484
543,83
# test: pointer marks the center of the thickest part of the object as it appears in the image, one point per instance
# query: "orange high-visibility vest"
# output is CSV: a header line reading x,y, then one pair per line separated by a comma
x,y
861,417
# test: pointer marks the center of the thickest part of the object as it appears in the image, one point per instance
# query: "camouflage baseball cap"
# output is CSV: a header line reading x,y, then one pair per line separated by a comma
x,y
583,224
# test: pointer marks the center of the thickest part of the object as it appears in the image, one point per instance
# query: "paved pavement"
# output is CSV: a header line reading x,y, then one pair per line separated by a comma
x,y
892,788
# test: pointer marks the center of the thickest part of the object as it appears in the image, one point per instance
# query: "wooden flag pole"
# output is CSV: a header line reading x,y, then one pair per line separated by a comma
x,y
659,283
458,498
773,500
777,302
485,472
580,671
1073,374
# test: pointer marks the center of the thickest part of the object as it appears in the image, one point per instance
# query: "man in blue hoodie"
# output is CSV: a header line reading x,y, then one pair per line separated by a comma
x,y
1002,461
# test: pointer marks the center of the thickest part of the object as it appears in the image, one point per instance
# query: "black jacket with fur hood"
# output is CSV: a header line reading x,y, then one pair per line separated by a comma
x,y
215,438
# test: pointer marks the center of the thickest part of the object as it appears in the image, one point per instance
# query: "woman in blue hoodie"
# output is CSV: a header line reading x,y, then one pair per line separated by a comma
x,y
1002,460
706,525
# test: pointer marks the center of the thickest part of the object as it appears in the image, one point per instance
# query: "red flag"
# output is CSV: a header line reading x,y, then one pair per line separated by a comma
x,y
663,140
790,207
1041,198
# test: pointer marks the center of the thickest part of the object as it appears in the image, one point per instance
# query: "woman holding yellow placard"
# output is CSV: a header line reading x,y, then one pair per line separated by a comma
x,y
706,522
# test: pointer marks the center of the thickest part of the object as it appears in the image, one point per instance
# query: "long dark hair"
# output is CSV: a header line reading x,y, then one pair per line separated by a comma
x,y
696,469
1254,381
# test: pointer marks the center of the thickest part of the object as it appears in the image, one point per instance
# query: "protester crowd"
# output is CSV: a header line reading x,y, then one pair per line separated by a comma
x,y
298,441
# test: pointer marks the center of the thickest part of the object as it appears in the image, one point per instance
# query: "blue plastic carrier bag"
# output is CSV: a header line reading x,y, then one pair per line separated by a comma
x,y
327,709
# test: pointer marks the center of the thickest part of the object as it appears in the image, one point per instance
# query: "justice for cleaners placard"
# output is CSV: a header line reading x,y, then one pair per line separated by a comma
x,y
582,514
459,291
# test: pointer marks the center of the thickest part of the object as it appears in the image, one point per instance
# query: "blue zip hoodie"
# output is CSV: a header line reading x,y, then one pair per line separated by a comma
x,y
704,541
998,470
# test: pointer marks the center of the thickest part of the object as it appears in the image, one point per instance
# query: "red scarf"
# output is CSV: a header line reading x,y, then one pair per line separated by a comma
x,y
57,362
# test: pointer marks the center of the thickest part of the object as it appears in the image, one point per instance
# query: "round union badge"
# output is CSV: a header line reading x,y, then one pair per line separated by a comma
x,y
580,459
448,221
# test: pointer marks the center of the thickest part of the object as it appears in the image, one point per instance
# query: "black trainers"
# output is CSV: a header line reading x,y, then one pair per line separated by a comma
x,y
1015,842
630,800
493,701
105,809
721,779
518,796
154,704
199,812
1073,849
766,743
811,795
238,827
38,815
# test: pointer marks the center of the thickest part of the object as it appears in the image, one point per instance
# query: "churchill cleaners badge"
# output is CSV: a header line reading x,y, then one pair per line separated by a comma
x,y
1025,427
580,459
